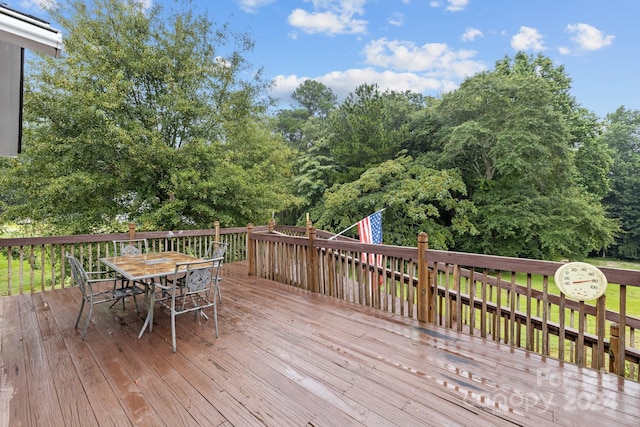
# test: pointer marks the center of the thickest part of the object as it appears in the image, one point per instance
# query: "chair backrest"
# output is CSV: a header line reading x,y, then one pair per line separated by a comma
x,y
130,247
79,274
216,250
199,276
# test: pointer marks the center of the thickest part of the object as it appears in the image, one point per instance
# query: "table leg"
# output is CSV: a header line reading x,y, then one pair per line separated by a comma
x,y
150,298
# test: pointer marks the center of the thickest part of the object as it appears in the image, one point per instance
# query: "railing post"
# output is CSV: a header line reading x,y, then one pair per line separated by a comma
x,y
425,294
132,230
312,261
216,227
614,334
600,332
271,252
251,252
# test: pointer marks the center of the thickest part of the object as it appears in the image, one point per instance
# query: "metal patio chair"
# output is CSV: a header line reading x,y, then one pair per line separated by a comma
x,y
129,247
214,251
195,294
93,290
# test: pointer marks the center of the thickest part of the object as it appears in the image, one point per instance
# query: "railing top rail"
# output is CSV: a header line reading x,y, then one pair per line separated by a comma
x,y
95,238
529,266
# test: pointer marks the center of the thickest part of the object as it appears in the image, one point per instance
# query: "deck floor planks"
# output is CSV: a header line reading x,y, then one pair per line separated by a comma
x,y
289,357
262,374
106,403
69,393
293,375
165,391
206,380
262,401
317,395
521,354
344,345
13,374
37,368
347,342
209,379
515,363
528,387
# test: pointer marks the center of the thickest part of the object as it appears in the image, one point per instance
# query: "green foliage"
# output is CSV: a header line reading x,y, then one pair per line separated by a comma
x,y
622,136
316,98
563,224
145,117
502,127
368,128
416,198
511,134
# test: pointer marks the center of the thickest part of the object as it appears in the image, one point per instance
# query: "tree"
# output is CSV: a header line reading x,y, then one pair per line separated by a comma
x,y
508,134
503,128
316,102
290,124
315,97
592,158
368,128
622,136
145,117
416,197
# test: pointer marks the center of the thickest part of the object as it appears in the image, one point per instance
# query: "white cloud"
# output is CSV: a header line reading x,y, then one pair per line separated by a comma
x,y
588,37
457,5
344,82
397,19
563,50
330,17
470,34
431,69
253,5
433,58
527,39
454,5
35,4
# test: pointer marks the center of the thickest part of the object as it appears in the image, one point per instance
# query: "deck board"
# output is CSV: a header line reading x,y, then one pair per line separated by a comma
x,y
284,357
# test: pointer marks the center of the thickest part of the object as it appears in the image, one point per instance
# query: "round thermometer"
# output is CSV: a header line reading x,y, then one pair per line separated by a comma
x,y
580,281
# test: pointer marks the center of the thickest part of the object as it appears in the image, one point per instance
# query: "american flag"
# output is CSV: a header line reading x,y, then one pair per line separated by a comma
x,y
370,231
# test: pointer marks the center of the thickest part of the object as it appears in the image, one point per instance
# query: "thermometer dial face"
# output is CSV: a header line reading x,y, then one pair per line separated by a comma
x,y
580,281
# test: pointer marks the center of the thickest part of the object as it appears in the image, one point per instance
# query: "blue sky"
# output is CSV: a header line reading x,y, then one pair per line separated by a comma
x,y
430,46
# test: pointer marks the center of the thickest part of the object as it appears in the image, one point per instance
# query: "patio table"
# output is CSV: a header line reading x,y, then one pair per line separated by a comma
x,y
144,268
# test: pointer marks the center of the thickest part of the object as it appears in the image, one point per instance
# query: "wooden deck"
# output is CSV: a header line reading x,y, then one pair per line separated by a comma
x,y
284,357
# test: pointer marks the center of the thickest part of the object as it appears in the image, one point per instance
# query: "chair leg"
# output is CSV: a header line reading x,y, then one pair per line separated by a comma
x,y
123,285
86,326
173,330
135,301
79,314
218,292
215,317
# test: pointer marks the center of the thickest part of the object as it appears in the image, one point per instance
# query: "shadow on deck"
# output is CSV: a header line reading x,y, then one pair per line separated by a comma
x,y
284,357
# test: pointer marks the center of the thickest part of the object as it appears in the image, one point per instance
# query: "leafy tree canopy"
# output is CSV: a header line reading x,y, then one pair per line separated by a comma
x,y
510,136
416,197
368,128
622,136
145,117
316,98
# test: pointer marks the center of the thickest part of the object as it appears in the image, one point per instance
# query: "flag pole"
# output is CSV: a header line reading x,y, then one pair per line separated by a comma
x,y
351,226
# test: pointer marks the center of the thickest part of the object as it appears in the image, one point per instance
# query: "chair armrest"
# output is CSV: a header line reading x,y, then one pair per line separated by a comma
x,y
107,273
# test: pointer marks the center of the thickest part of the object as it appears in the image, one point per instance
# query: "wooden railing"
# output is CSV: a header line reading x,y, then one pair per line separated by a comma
x,y
504,299
38,263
